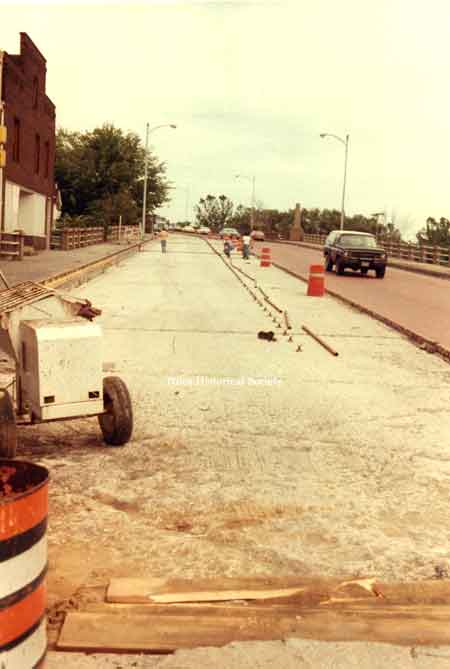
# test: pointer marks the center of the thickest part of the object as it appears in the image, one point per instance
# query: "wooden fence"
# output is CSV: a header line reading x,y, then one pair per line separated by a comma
x,y
75,238
12,244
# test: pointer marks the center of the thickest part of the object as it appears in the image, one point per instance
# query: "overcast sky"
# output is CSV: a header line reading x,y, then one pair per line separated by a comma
x,y
252,83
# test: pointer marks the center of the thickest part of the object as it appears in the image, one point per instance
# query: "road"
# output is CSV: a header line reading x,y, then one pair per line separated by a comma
x,y
248,457
416,302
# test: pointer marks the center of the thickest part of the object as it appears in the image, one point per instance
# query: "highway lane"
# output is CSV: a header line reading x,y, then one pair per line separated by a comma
x,y
417,302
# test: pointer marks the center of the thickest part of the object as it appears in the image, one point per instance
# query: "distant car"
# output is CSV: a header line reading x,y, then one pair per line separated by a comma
x,y
189,228
204,230
257,235
355,250
229,232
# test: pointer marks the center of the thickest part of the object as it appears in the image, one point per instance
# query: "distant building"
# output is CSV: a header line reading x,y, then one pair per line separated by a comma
x,y
28,187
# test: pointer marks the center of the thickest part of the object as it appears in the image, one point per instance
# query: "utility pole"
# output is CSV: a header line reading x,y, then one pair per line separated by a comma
x,y
2,144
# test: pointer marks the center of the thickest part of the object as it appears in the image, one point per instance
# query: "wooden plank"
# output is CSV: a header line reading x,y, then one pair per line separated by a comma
x,y
299,590
148,633
133,590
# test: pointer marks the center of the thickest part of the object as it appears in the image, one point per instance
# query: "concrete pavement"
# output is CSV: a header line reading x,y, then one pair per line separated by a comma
x,y
324,466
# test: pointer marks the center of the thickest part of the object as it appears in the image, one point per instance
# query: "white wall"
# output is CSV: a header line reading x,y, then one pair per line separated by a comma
x,y
24,210
11,206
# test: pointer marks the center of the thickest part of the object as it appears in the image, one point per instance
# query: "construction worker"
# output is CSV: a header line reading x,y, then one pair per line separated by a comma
x,y
246,241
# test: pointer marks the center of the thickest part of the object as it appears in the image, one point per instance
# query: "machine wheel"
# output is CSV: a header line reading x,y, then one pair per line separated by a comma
x,y
364,271
339,267
117,421
8,428
328,263
380,272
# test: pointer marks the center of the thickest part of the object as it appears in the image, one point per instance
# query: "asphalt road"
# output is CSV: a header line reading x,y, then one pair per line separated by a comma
x,y
417,302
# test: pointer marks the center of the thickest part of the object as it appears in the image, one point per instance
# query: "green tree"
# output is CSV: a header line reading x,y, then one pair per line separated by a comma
x,y
100,175
214,212
435,233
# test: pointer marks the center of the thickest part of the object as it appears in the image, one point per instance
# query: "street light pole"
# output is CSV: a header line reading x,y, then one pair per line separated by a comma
x,y
345,143
252,211
149,130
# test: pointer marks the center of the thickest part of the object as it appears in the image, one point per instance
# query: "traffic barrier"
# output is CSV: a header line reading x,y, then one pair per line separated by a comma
x,y
265,257
23,564
316,281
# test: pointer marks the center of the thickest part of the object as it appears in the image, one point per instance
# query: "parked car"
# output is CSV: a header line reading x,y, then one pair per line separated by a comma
x,y
354,250
204,230
229,232
188,228
257,235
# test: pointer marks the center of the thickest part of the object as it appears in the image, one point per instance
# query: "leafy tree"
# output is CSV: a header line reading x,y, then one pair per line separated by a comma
x,y
435,233
100,173
214,212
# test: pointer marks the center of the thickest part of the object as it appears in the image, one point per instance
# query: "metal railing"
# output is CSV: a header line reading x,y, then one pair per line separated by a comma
x,y
422,253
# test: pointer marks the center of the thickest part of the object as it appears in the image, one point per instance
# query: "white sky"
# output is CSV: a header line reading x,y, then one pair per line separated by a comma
x,y
252,83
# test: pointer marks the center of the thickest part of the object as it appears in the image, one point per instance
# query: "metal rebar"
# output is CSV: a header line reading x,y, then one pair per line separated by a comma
x,y
319,340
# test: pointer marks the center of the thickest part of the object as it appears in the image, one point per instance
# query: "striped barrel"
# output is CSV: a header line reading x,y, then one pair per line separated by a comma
x,y
316,281
23,564
265,257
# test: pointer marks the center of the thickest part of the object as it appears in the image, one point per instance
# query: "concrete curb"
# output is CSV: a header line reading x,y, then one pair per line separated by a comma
x,y
73,278
432,346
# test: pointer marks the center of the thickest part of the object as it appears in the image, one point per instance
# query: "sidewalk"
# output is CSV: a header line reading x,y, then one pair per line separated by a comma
x,y
47,263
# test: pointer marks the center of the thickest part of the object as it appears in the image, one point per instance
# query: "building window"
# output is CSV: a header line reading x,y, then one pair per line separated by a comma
x,y
16,141
37,153
46,159
35,92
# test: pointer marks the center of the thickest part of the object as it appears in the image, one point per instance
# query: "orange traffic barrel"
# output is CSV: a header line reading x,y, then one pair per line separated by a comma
x,y
265,257
23,564
316,281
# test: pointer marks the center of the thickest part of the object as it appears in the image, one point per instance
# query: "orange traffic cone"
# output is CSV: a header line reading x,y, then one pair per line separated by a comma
x,y
316,281
265,257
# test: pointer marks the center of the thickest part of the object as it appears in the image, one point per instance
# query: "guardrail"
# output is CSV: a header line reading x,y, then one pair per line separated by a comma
x,y
422,253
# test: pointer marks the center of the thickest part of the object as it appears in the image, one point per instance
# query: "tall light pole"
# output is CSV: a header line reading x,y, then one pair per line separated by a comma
x,y
148,131
252,212
345,143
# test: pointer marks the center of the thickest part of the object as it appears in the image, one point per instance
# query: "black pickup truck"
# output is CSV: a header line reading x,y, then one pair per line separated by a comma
x,y
355,250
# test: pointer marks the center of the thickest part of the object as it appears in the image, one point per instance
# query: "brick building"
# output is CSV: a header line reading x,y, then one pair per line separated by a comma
x,y
27,187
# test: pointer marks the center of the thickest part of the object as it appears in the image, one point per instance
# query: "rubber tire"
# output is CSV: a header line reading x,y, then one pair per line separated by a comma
x,y
117,423
380,273
328,264
364,271
339,267
8,427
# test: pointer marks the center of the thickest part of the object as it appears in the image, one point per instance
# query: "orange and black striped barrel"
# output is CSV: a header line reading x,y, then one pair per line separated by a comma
x,y
265,257
316,281
23,564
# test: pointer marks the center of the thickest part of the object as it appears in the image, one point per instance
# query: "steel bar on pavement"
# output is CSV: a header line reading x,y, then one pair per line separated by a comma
x,y
319,340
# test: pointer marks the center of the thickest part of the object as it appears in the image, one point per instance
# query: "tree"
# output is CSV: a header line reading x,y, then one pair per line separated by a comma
x,y
214,212
435,233
99,175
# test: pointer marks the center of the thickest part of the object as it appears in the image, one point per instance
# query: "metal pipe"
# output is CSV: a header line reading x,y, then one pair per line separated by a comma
x,y
319,340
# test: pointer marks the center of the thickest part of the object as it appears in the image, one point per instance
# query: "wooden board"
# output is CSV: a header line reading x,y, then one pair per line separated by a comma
x,y
149,633
131,590
306,592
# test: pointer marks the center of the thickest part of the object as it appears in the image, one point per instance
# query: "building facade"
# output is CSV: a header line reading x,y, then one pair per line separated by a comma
x,y
28,187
